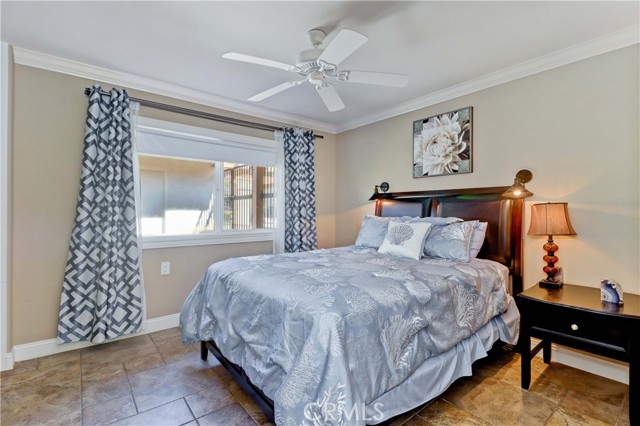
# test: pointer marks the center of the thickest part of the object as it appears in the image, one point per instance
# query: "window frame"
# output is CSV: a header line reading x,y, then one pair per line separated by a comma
x,y
218,139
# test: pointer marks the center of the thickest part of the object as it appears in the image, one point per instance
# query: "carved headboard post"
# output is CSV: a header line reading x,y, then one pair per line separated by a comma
x,y
503,240
518,273
379,207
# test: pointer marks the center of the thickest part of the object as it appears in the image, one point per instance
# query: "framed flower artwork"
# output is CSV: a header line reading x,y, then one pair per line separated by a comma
x,y
442,144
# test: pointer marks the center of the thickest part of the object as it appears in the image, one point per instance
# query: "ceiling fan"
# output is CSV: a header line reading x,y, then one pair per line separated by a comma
x,y
319,66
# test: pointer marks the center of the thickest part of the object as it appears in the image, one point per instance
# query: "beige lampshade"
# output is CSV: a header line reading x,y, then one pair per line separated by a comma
x,y
550,219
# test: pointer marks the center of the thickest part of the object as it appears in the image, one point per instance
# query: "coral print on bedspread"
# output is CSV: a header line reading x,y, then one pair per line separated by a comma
x,y
339,327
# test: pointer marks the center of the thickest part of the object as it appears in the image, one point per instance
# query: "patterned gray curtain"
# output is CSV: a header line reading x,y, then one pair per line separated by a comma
x,y
300,193
102,290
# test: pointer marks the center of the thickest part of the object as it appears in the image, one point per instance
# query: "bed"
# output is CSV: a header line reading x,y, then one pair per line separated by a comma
x,y
352,336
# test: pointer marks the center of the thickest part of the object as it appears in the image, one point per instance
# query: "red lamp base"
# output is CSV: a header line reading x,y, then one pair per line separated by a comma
x,y
553,279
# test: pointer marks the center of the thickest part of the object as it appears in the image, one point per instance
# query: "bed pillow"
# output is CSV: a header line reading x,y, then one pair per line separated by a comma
x,y
373,230
405,239
477,239
450,241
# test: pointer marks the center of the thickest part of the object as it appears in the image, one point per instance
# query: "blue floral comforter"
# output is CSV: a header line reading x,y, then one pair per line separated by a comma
x,y
325,332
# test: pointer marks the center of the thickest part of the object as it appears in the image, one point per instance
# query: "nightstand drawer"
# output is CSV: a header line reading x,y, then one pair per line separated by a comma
x,y
572,323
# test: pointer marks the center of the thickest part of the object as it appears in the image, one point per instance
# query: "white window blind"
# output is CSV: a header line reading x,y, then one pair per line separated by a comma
x,y
166,139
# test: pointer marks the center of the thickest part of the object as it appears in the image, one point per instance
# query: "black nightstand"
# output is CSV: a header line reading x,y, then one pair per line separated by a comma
x,y
575,316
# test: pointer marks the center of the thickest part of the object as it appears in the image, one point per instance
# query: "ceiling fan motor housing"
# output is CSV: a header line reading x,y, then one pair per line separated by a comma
x,y
308,60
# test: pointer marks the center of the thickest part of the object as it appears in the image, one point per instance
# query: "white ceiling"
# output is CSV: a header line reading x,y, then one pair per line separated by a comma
x,y
440,45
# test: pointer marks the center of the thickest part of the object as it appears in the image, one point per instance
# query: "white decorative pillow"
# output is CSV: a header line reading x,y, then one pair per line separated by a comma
x,y
405,239
450,241
477,239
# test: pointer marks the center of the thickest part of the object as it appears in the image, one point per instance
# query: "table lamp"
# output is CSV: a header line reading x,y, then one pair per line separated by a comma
x,y
550,219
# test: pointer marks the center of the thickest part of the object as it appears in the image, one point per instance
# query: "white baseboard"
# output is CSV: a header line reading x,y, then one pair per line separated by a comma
x,y
590,363
51,346
8,362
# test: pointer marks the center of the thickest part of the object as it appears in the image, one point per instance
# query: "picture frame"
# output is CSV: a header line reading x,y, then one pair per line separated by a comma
x,y
443,144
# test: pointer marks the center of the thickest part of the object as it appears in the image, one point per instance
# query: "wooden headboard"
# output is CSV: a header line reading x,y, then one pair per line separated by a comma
x,y
503,240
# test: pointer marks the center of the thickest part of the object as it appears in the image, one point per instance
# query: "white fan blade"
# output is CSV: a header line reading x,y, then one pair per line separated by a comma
x,y
270,92
330,97
379,78
259,61
343,45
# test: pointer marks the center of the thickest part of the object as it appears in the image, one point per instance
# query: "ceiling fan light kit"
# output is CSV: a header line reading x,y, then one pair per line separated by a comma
x,y
319,66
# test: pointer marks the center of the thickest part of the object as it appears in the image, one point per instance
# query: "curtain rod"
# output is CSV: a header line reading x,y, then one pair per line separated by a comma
x,y
199,114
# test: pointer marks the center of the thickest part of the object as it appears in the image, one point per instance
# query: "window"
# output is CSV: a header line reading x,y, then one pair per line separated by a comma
x,y
244,206
199,186
177,196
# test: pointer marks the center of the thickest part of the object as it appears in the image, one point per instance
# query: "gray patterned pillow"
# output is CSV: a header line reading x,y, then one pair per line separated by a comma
x,y
450,241
477,239
372,231
405,239
374,228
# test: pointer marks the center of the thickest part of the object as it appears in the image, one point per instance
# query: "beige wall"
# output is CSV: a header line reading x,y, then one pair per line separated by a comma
x,y
574,127
49,114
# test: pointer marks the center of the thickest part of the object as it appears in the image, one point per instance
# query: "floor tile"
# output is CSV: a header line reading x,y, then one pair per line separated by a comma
x,y
441,413
222,373
21,367
163,334
623,419
402,419
147,362
230,415
73,417
211,399
119,351
499,403
68,372
104,382
60,358
128,382
564,417
171,414
506,366
159,385
417,421
38,396
248,404
173,349
597,387
109,411
591,407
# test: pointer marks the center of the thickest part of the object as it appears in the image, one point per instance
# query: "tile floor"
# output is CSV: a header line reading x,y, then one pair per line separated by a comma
x,y
155,379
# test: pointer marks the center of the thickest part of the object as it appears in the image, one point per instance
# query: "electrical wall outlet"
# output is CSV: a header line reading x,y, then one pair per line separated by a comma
x,y
165,268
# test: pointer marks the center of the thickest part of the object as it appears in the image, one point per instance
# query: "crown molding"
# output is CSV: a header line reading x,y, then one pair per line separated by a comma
x,y
607,43
66,66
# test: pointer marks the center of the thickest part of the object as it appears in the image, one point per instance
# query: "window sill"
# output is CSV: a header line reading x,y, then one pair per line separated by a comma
x,y
227,237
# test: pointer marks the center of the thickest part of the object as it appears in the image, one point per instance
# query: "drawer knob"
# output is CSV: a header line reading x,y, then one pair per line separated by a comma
x,y
574,327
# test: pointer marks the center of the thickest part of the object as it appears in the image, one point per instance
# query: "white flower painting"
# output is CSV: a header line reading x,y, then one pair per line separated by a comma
x,y
442,144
